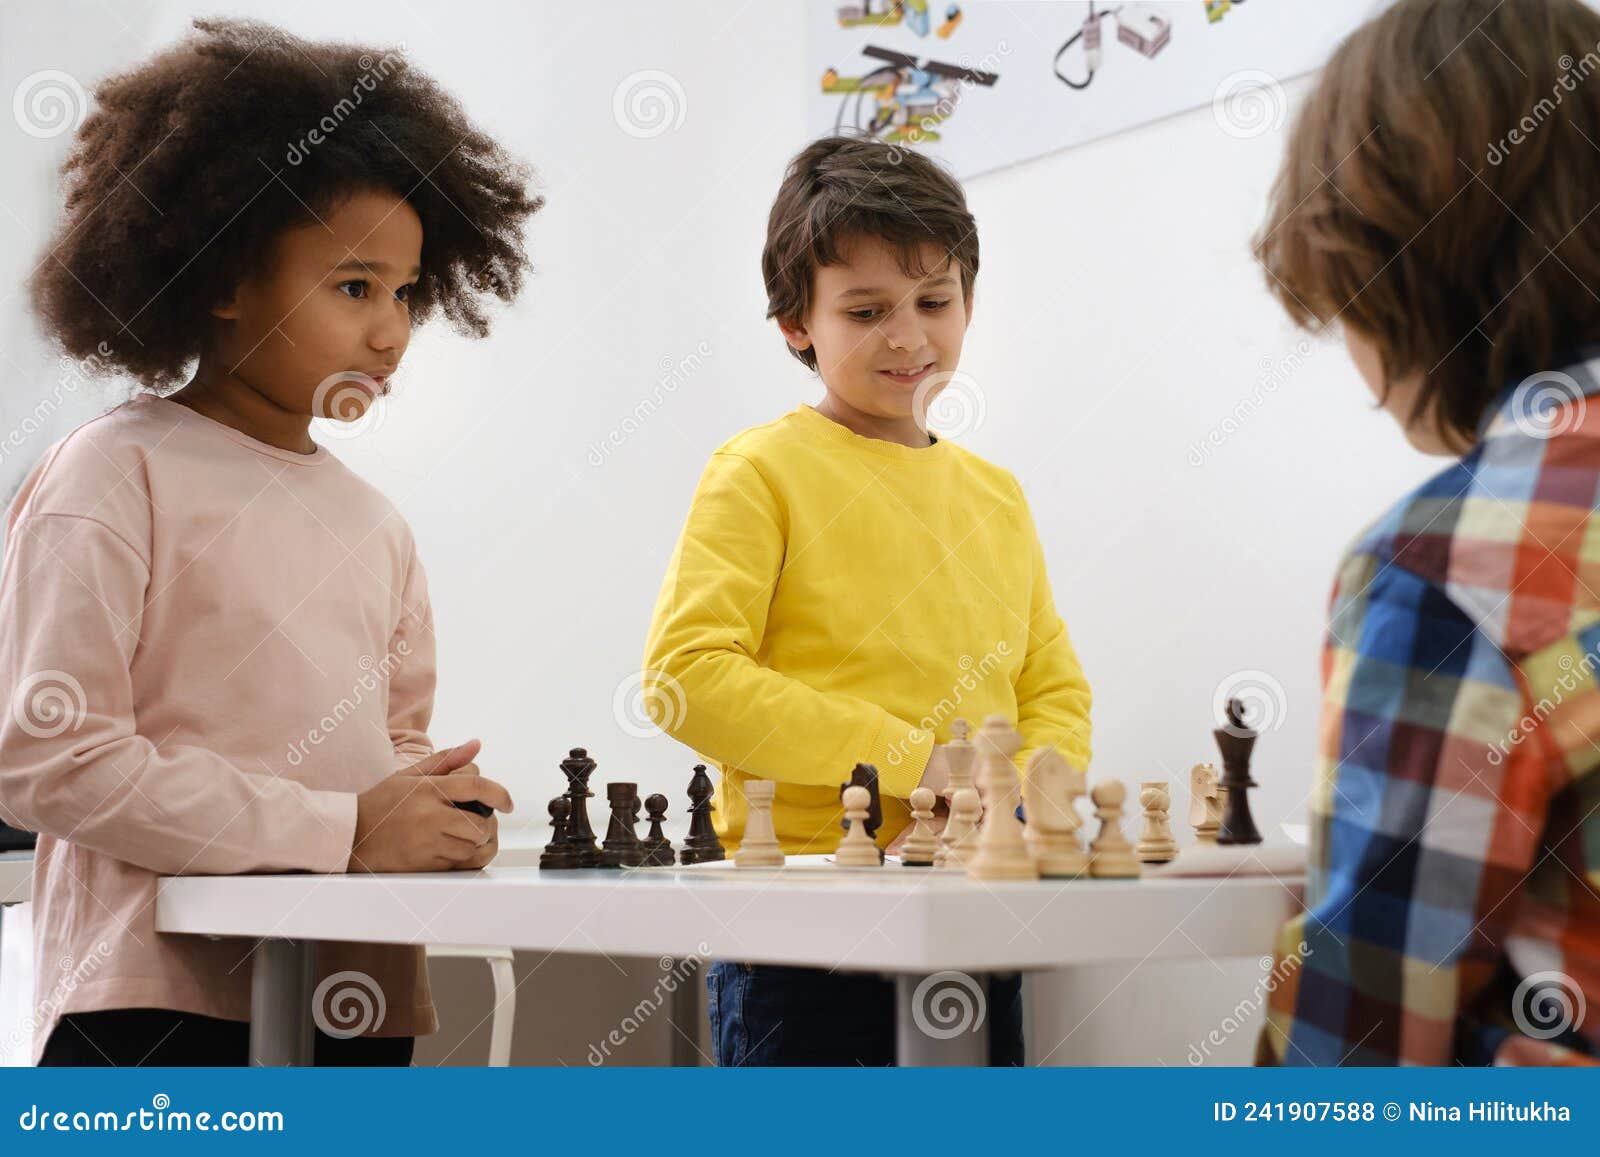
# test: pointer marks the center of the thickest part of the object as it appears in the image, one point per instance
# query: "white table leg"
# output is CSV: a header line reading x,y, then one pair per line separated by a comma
x,y
281,1028
930,1035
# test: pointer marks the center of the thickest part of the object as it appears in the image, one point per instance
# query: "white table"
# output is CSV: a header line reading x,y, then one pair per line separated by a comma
x,y
909,923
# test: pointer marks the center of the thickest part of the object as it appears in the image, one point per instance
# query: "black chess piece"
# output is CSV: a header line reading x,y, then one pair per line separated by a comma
x,y
622,848
658,851
555,855
16,840
580,845
866,775
475,806
701,846
1236,740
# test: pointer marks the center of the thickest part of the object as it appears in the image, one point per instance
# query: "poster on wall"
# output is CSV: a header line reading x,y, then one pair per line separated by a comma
x,y
983,84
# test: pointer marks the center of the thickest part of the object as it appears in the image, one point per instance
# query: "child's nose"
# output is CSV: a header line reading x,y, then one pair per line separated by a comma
x,y
390,330
903,333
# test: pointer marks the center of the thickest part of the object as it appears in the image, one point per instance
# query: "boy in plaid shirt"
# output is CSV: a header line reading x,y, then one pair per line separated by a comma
x,y
1438,201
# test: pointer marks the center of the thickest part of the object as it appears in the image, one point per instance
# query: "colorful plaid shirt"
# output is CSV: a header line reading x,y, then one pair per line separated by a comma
x,y
1452,905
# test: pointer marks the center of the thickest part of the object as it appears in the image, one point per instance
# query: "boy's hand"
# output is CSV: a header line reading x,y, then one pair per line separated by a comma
x,y
408,822
937,774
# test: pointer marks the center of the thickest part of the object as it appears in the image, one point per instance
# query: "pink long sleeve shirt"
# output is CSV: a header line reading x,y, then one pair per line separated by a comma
x,y
208,646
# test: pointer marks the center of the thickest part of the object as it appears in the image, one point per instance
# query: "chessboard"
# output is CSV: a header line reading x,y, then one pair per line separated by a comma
x,y
1001,824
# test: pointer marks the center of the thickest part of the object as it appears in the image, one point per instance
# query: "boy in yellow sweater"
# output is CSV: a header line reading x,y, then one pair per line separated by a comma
x,y
846,584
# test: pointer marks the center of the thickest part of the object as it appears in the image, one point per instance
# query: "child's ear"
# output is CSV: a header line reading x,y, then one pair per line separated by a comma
x,y
795,335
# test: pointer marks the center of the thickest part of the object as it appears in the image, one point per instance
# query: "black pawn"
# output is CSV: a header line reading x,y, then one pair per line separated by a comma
x,y
702,845
622,848
658,851
1236,741
555,855
866,775
582,851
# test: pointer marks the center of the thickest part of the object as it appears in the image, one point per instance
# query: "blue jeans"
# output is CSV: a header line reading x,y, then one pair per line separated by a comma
x,y
769,1014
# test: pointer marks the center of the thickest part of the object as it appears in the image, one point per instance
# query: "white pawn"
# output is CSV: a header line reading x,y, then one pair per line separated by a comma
x,y
1156,845
921,846
1050,797
760,847
1111,855
857,849
1002,852
961,833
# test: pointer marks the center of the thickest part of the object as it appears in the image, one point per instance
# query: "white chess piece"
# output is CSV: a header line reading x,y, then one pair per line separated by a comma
x,y
760,847
1111,855
1050,793
857,849
922,844
961,833
1002,852
1205,803
1156,845
959,754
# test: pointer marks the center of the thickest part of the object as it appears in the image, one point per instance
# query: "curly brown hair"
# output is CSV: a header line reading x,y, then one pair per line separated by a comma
x,y
1438,196
839,188
194,161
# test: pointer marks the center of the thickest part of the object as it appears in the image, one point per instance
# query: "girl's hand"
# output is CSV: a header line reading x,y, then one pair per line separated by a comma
x,y
408,822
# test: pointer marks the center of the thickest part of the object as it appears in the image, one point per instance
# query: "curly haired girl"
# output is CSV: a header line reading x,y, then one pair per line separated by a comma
x,y
215,639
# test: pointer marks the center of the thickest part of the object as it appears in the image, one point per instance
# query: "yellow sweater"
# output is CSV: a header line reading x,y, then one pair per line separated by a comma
x,y
837,599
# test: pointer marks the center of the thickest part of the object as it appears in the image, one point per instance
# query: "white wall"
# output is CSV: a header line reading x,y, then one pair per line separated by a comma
x,y
1119,320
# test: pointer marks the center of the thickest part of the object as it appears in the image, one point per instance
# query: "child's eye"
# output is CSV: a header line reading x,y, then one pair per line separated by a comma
x,y
361,287
933,306
404,292
863,314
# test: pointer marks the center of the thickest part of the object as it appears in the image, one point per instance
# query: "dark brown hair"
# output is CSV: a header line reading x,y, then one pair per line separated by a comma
x,y
1438,194
194,161
841,188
